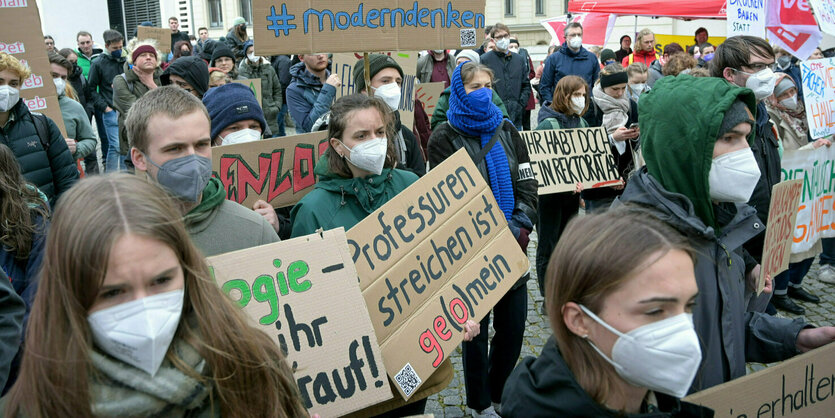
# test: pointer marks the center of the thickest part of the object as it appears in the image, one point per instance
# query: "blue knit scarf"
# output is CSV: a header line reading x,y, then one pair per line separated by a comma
x,y
476,115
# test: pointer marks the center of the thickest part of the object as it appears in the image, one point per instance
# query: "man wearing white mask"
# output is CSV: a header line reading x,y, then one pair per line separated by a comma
x,y
570,59
386,83
746,62
254,66
436,66
698,180
512,69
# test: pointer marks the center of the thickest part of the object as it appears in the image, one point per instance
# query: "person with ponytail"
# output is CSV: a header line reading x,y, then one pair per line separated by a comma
x,y
128,321
476,124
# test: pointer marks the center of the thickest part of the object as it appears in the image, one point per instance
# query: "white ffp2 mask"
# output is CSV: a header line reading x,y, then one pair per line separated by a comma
x,y
575,42
733,176
663,356
139,332
241,137
8,97
390,93
369,155
578,104
761,83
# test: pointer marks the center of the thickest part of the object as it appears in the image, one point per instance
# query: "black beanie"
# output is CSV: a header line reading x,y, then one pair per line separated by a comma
x,y
376,63
192,69
736,114
221,50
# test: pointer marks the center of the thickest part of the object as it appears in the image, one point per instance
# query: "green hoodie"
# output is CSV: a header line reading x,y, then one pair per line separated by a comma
x,y
218,226
678,145
338,201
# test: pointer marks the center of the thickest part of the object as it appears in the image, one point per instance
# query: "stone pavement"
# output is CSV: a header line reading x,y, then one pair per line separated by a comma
x,y
451,402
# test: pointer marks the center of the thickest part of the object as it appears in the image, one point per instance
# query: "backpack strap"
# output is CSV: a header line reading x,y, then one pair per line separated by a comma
x,y
555,124
481,154
130,85
42,129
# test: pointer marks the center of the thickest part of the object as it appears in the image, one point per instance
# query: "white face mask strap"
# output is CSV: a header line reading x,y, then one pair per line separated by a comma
x,y
601,322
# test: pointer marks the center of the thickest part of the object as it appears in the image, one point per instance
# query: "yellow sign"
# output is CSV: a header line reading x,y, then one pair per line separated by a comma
x,y
686,41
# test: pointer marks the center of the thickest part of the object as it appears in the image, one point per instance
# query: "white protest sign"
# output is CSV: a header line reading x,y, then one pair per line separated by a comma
x,y
819,95
815,214
825,14
303,293
746,17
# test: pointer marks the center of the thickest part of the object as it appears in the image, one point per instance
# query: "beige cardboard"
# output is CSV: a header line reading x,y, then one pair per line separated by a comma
x,y
279,26
423,271
782,213
255,85
303,293
278,170
429,94
21,36
801,387
162,36
343,65
562,158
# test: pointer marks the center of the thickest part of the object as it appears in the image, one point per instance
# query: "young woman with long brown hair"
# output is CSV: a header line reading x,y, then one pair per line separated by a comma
x,y
624,342
128,321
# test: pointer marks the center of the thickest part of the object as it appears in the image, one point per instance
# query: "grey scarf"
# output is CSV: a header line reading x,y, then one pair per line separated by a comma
x,y
615,111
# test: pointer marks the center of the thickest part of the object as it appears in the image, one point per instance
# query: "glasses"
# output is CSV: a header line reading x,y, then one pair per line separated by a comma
x,y
758,66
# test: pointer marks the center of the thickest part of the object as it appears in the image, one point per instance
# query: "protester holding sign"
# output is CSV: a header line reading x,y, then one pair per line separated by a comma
x,y
34,139
254,66
699,200
386,81
105,282
357,173
613,110
477,125
81,140
169,131
570,102
624,342
312,90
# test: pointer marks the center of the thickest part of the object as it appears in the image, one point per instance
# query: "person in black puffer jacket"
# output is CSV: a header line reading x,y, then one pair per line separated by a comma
x,y
45,162
474,121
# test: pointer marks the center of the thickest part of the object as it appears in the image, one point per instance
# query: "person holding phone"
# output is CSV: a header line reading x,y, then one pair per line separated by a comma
x,y
613,110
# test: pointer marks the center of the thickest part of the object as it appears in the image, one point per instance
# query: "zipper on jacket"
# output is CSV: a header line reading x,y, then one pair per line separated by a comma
x,y
727,254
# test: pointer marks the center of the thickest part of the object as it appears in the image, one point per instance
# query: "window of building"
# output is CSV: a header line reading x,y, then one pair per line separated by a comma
x,y
246,11
508,7
540,7
215,14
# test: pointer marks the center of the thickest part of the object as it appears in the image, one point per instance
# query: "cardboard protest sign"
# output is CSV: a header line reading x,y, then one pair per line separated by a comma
x,y
686,41
782,213
819,96
343,65
21,37
562,158
815,213
429,94
316,26
162,37
278,170
303,293
436,255
801,387
746,17
254,84
825,14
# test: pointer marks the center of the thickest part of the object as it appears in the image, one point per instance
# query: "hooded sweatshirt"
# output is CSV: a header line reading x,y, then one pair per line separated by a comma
x,y
192,69
546,387
219,226
678,150
307,97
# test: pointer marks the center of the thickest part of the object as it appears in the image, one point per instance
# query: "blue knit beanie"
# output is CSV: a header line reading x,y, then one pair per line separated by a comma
x,y
231,103
246,45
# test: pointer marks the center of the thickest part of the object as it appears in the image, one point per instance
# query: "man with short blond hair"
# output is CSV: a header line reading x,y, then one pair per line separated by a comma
x,y
169,131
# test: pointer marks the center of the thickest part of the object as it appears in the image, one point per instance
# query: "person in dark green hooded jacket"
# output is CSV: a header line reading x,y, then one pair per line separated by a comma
x,y
699,174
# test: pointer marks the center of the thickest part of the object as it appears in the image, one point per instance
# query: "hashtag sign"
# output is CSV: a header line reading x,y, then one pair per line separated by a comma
x,y
284,26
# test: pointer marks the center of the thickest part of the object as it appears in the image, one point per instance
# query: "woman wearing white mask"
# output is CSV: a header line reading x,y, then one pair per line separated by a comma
x,y
357,175
128,321
255,66
624,342
477,125
637,73
80,137
700,171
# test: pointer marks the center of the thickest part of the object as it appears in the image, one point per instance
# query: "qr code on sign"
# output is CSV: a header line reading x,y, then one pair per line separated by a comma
x,y
408,379
468,37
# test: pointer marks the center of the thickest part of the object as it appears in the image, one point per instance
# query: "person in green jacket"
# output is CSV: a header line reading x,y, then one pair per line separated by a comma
x,y
357,173
254,66
80,137
169,132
